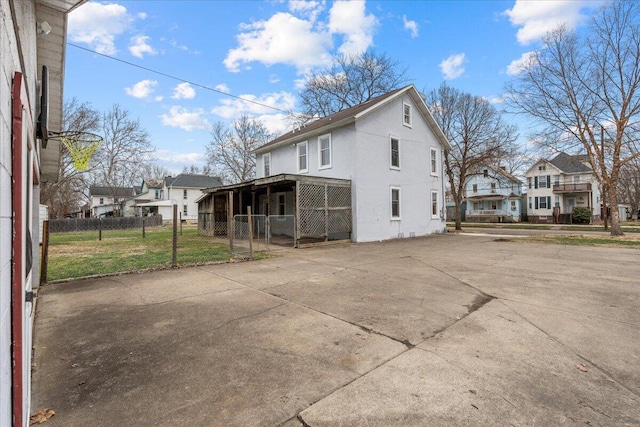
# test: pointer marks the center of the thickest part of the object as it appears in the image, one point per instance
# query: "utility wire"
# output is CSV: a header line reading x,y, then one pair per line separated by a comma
x,y
177,78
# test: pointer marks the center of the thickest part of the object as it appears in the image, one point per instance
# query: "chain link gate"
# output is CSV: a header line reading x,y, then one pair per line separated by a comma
x,y
281,231
241,235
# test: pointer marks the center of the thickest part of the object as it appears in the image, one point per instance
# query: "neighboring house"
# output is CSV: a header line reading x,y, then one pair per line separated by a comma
x,y
557,186
371,172
493,195
145,195
158,196
107,201
33,36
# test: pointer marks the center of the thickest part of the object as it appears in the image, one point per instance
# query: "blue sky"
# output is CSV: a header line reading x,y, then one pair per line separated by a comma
x,y
262,50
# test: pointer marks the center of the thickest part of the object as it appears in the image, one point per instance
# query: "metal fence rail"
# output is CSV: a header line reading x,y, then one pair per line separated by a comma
x,y
245,238
208,226
95,224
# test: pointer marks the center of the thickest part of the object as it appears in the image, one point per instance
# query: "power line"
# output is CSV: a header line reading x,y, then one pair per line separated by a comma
x,y
177,78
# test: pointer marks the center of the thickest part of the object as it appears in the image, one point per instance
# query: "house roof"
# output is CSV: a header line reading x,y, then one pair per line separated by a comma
x,y
192,181
570,164
506,174
350,115
96,190
154,182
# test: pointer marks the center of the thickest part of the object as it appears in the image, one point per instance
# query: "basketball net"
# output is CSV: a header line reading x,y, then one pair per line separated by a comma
x,y
81,146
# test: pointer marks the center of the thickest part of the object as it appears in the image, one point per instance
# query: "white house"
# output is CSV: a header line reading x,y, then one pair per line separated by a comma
x,y
558,185
159,195
107,201
493,195
33,37
371,172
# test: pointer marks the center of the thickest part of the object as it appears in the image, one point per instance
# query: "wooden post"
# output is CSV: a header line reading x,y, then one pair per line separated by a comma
x,y
230,230
143,230
268,212
326,214
45,252
296,231
250,224
174,257
99,228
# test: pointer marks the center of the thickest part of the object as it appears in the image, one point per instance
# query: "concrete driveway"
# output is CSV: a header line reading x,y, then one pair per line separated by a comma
x,y
444,330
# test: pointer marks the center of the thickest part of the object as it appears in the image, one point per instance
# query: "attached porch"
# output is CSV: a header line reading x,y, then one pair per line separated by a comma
x,y
496,208
288,209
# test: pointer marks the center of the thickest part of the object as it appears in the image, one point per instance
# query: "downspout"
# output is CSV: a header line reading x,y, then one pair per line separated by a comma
x,y
17,246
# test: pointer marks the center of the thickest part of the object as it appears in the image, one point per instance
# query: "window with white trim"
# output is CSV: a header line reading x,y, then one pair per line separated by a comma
x,y
395,203
475,188
406,114
324,151
514,207
184,210
102,200
266,164
394,145
282,204
184,193
434,162
434,204
303,157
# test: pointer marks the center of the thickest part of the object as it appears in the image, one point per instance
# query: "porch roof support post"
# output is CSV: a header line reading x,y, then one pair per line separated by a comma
x,y
268,204
326,213
296,232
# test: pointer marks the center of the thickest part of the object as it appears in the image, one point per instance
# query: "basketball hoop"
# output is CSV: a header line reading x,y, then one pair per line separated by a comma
x,y
81,146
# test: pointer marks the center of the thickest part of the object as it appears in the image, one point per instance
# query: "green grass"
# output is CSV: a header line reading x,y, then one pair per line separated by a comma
x,y
81,254
582,240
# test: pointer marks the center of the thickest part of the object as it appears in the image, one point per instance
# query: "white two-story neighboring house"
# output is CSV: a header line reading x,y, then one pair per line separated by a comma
x,y
493,195
107,201
385,155
558,185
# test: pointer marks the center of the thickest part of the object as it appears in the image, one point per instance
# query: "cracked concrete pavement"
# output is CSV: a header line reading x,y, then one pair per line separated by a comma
x,y
444,330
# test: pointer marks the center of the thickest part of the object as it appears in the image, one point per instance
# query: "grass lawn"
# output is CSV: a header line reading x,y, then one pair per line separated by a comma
x,y
627,241
81,254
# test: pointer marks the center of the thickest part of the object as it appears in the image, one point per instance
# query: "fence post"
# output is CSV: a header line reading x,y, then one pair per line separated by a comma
x,y
99,229
250,224
45,252
143,230
181,223
230,224
174,257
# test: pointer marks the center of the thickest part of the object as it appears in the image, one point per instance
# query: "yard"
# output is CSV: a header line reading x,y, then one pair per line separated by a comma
x,y
81,254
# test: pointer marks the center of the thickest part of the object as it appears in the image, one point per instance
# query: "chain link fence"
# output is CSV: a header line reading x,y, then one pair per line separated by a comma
x,y
248,236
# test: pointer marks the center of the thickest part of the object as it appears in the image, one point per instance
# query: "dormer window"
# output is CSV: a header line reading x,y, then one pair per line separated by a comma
x,y
266,164
406,114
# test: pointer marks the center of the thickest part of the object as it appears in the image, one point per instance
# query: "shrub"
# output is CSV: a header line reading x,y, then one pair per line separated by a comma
x,y
581,215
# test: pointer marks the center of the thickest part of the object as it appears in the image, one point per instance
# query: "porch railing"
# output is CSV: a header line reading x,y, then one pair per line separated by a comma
x,y
580,187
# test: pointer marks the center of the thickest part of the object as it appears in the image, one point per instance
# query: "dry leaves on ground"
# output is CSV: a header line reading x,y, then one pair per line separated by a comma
x,y
41,416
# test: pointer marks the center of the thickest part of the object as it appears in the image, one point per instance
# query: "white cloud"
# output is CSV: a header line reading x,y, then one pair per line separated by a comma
x,y
183,91
273,79
142,89
536,18
139,46
411,26
281,39
311,9
142,15
158,98
222,88
350,19
231,108
183,47
453,66
97,25
174,157
517,65
183,118
276,124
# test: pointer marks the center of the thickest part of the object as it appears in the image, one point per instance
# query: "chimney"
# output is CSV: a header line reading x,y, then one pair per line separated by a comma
x,y
504,168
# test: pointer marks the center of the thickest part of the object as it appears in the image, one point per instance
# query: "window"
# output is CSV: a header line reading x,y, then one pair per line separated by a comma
x,y
485,173
434,204
184,209
434,162
282,204
494,205
557,201
543,181
530,205
475,188
543,202
395,203
324,151
303,163
102,200
529,182
493,187
513,205
556,179
576,179
266,164
157,194
406,114
542,168
395,153
184,194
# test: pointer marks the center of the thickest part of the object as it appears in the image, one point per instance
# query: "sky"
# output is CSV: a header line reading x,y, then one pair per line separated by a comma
x,y
182,66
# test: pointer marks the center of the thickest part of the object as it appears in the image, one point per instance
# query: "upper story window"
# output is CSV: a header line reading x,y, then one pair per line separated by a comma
x,y
556,179
324,151
303,157
542,168
475,188
395,153
434,162
184,194
576,179
543,181
157,194
266,164
406,114
485,173
102,200
493,187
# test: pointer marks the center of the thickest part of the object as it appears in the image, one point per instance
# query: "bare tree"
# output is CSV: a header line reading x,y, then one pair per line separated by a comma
x,y
629,185
477,133
125,153
351,80
588,88
154,170
69,193
230,151
197,170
